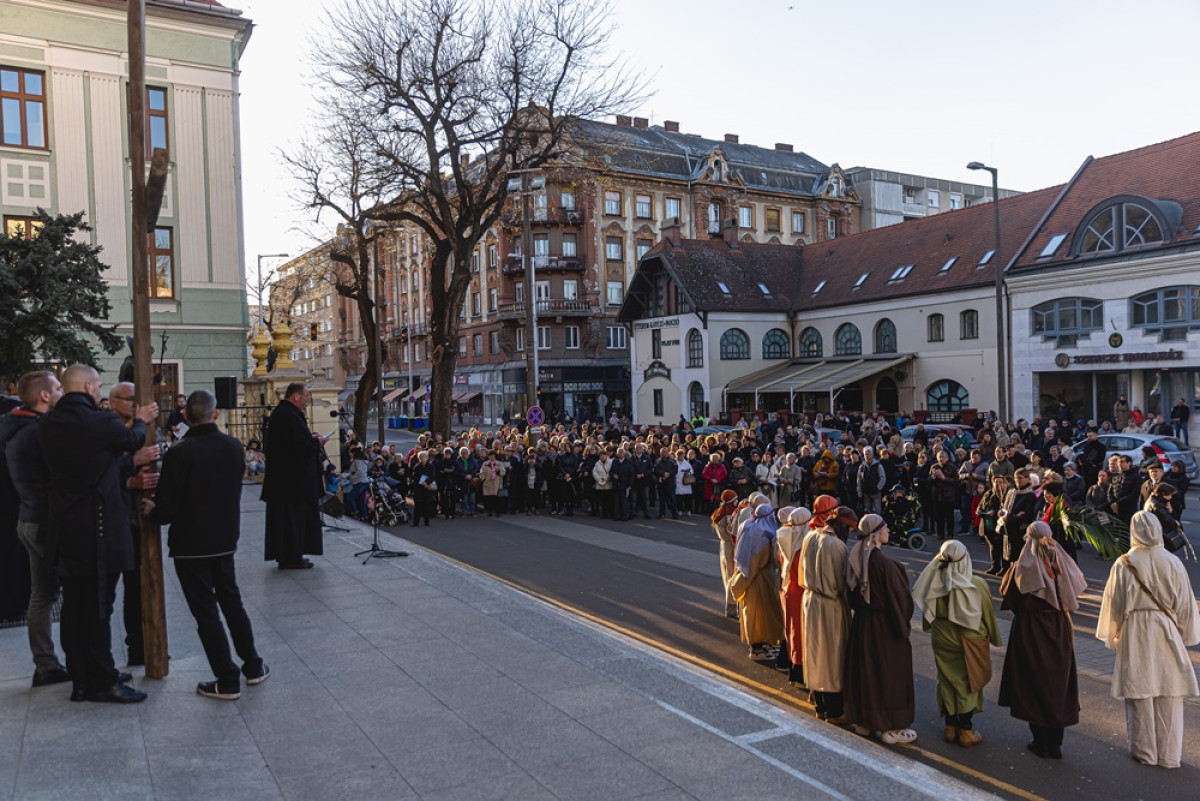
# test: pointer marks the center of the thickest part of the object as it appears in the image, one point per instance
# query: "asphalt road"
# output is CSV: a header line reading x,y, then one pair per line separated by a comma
x,y
596,566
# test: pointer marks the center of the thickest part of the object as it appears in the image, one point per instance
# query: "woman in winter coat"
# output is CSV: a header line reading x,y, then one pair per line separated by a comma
x,y
825,474
714,475
685,480
491,476
1148,617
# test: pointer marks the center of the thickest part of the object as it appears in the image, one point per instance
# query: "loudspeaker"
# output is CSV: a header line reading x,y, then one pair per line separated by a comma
x,y
226,390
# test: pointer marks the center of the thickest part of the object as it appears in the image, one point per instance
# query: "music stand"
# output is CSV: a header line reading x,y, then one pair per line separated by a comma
x,y
375,552
324,522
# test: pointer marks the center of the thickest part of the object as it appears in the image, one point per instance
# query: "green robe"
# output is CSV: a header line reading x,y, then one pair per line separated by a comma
x,y
953,690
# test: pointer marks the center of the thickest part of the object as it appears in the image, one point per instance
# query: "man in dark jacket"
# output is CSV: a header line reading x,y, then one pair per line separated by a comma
x,y
292,483
23,462
1128,491
665,470
643,468
623,476
89,524
199,496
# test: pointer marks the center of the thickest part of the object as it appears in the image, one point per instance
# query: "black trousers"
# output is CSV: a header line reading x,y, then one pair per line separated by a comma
x,y
832,705
85,633
131,583
942,522
666,499
209,584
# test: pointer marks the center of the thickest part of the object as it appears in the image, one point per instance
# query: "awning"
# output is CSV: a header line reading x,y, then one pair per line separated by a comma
x,y
465,397
345,393
824,376
420,393
394,394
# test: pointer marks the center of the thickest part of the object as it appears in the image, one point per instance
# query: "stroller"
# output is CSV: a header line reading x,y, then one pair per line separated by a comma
x,y
385,506
901,510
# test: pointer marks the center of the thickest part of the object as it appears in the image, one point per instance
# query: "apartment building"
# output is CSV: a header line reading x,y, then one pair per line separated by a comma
x,y
65,148
891,197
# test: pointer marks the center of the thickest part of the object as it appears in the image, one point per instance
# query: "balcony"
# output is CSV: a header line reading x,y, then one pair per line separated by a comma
x,y
912,209
514,263
550,307
414,330
513,218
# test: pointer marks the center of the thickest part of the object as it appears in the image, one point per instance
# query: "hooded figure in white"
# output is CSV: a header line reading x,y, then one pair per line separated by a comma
x,y
1148,617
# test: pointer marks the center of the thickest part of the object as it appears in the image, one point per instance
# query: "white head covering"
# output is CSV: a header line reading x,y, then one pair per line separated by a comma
x,y
790,536
948,575
869,528
1044,569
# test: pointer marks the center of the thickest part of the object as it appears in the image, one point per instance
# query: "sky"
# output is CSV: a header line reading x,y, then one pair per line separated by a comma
x,y
1031,88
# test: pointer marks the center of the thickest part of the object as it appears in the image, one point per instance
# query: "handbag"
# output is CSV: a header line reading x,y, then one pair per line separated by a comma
x,y
689,478
978,657
1175,540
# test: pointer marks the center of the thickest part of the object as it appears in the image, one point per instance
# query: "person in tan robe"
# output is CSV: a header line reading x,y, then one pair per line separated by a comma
x,y
1148,617
723,522
756,584
826,618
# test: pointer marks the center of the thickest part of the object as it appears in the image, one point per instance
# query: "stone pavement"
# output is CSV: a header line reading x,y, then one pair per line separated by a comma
x,y
418,678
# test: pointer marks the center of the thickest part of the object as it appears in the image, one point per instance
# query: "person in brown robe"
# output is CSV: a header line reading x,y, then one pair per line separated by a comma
x,y
878,683
788,540
1039,683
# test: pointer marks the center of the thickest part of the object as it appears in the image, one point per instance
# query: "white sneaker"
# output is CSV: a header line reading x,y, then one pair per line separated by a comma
x,y
898,736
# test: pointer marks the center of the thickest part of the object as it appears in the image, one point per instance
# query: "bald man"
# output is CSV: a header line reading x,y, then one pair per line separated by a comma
x,y
88,521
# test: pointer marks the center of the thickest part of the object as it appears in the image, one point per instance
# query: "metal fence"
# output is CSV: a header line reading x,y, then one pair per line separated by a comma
x,y
247,422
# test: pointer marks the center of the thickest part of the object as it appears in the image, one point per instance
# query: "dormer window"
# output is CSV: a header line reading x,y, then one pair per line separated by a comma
x,y
1120,223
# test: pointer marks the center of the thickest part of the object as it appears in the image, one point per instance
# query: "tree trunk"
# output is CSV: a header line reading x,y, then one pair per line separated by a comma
x,y
369,382
443,342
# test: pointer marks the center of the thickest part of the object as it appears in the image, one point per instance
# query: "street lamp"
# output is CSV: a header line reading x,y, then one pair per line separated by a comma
x,y
1001,354
259,287
528,186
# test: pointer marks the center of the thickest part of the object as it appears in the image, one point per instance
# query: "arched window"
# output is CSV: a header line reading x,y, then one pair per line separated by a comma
x,y
696,399
695,349
968,324
1121,222
887,395
946,396
735,344
1169,312
937,327
847,340
811,346
885,336
776,344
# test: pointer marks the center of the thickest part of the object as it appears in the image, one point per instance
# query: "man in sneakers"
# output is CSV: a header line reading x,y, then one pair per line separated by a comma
x,y
199,496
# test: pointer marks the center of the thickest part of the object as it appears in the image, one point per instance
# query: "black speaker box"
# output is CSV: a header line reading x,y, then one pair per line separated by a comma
x,y
226,389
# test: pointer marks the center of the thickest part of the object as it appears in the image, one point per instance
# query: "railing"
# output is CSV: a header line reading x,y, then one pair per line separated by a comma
x,y
247,422
912,209
514,263
553,306
556,216
414,330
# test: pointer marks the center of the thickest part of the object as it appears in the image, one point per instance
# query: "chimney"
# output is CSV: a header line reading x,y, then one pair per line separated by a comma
x,y
731,138
784,146
641,122
671,125
624,119
729,232
670,232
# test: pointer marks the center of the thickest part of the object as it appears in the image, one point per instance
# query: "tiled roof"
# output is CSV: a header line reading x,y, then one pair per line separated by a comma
x,y
702,266
1164,171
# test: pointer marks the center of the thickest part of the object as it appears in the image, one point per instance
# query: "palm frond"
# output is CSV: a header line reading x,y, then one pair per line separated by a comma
x,y
1107,534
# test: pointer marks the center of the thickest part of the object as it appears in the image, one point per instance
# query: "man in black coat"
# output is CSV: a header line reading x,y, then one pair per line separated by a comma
x,y
1129,490
88,525
199,496
292,483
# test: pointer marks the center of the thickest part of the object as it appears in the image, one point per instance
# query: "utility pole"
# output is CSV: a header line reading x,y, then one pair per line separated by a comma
x,y
154,621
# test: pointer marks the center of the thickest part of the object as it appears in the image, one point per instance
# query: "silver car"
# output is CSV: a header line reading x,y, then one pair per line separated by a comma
x,y
1168,450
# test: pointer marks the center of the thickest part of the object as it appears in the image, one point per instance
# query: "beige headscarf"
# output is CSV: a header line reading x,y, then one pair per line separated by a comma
x,y
1044,569
948,575
860,555
790,536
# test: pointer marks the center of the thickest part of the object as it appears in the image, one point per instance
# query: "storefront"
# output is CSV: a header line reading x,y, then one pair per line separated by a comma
x,y
1091,384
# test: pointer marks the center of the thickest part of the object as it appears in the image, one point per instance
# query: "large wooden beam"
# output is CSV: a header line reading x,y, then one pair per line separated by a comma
x,y
154,619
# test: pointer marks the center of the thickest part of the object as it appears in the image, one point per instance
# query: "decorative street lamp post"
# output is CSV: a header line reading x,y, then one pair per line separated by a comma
x,y
1001,350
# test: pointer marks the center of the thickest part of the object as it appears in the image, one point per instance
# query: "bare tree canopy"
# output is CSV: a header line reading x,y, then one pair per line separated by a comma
x,y
429,106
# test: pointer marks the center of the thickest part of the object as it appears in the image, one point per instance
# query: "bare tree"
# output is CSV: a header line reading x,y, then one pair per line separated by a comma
x,y
440,101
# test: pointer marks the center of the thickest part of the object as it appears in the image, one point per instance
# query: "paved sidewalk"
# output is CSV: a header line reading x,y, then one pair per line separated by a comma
x,y
418,678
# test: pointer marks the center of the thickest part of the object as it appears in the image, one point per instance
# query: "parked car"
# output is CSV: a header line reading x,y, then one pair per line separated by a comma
x,y
713,429
933,429
1168,449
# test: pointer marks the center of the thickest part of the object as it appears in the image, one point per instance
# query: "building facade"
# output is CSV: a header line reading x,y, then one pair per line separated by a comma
x,y
891,197
63,68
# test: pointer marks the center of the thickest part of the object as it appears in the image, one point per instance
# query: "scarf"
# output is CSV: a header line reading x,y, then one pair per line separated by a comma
x,y
948,575
824,507
857,577
1044,570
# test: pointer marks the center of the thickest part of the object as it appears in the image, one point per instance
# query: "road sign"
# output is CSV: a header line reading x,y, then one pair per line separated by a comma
x,y
535,416
602,401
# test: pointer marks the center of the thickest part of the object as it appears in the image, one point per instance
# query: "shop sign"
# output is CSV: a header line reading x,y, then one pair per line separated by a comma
x,y
1064,360
670,322
391,383
669,342
461,378
657,370
583,386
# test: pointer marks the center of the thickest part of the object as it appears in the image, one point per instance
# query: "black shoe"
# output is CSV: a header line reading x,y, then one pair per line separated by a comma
x,y
210,689
1054,751
77,693
124,678
1039,750
264,673
117,694
56,675
303,564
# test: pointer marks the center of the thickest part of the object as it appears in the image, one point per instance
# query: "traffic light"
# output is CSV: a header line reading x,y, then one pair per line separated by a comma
x,y
404,335
312,331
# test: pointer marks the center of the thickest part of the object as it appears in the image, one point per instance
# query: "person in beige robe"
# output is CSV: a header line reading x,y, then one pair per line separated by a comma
x,y
826,618
723,523
1148,617
756,583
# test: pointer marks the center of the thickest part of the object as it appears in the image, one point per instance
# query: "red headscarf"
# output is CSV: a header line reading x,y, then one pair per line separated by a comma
x,y
824,507
727,506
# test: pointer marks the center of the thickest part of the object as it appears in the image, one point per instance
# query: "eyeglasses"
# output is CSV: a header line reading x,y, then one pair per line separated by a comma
x,y
123,398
